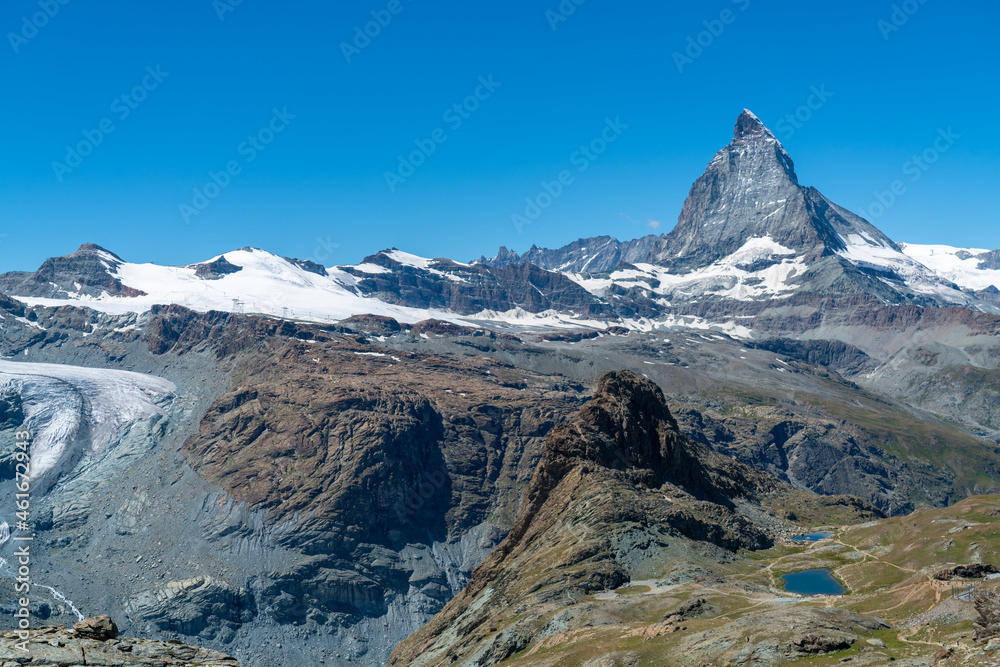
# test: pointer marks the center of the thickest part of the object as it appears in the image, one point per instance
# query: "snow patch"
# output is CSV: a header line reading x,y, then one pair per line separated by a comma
x,y
267,285
957,265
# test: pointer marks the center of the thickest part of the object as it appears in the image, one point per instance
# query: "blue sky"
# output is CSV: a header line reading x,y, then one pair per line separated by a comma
x,y
264,99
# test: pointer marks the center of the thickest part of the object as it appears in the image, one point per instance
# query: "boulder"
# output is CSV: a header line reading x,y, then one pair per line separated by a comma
x,y
821,644
101,628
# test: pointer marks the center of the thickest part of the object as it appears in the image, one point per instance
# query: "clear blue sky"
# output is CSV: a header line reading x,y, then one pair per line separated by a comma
x,y
319,190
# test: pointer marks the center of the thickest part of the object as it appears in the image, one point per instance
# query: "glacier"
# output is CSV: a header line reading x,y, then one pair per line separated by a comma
x,y
72,411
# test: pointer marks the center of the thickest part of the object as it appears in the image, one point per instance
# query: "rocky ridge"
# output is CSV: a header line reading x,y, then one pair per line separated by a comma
x,y
618,496
95,641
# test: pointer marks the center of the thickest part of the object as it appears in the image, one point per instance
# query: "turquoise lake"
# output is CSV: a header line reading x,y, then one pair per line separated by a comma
x,y
812,582
811,537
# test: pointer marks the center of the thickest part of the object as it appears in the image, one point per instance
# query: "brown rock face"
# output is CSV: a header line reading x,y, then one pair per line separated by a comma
x,y
822,644
100,628
973,571
617,488
987,625
374,323
627,428
367,445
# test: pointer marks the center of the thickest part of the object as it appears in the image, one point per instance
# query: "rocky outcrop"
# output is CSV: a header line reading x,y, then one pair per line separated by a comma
x,y
439,328
101,628
377,324
695,608
973,571
200,606
987,625
989,260
217,269
308,265
600,254
833,354
96,642
822,643
468,289
90,271
617,495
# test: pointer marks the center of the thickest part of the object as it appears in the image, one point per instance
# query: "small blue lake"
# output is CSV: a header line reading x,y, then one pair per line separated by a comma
x,y
812,582
811,537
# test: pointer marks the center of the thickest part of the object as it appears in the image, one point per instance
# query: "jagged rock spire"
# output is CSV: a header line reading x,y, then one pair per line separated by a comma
x,y
748,126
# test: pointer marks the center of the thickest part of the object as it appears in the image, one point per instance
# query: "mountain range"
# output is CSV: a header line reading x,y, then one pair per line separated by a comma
x,y
303,465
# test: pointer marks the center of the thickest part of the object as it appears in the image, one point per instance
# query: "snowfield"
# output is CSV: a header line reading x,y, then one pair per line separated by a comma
x,y
920,276
267,285
958,265
71,410
729,277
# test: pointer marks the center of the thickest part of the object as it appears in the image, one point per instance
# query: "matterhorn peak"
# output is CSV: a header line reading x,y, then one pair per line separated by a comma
x,y
749,127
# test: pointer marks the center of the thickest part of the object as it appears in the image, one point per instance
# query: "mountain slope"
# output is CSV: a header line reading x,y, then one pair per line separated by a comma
x,y
619,495
390,283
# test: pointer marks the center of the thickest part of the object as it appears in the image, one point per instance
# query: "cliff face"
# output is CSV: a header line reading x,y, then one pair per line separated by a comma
x,y
619,495
466,289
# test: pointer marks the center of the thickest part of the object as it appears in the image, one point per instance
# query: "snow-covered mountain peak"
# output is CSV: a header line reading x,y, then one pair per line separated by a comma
x,y
98,251
749,126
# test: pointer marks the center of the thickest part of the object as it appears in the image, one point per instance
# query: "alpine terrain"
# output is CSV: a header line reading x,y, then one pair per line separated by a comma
x,y
594,455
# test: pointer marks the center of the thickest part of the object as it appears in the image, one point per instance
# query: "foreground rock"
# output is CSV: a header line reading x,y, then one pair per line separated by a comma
x,y
987,625
100,628
95,642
